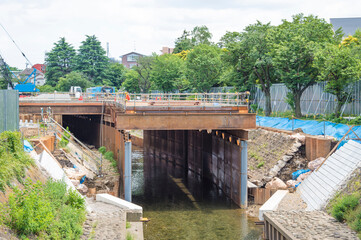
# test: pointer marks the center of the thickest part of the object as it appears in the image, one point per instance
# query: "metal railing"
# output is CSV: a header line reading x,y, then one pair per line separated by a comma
x,y
122,99
215,99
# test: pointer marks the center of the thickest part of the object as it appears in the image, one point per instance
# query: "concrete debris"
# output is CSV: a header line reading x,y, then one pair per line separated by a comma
x,y
74,173
82,188
299,137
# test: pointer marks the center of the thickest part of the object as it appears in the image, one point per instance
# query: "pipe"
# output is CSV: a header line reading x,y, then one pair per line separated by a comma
x,y
128,171
244,180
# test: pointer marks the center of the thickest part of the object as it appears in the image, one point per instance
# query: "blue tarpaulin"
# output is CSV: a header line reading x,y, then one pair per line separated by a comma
x,y
311,127
27,146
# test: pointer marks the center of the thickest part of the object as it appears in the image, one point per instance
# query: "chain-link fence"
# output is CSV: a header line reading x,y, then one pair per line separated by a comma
x,y
314,99
9,110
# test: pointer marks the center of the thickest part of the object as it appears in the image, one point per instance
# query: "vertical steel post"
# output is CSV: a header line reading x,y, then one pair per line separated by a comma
x,y
243,193
128,171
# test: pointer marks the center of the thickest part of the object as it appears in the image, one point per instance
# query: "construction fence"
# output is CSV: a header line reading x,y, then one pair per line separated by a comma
x,y
314,99
9,110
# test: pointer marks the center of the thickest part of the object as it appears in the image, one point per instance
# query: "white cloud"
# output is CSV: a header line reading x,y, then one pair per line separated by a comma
x,y
148,24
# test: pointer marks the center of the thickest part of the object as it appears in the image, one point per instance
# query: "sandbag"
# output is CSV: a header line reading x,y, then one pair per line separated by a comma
x,y
303,176
291,183
313,165
299,172
276,183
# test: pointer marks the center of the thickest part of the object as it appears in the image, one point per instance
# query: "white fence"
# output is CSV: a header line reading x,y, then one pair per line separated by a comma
x,y
313,101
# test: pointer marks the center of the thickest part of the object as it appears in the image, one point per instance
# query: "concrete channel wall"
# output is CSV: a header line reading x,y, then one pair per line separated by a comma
x,y
214,156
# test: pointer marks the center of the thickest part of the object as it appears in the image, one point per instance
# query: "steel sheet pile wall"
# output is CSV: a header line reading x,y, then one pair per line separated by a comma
x,y
213,157
9,110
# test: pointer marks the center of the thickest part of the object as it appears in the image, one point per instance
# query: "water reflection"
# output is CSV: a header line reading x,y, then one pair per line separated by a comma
x,y
184,207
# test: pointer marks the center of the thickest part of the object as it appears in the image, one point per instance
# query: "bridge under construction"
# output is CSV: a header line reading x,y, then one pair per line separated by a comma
x,y
206,133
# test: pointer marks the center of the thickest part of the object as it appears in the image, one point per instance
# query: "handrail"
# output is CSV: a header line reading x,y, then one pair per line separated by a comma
x,y
96,159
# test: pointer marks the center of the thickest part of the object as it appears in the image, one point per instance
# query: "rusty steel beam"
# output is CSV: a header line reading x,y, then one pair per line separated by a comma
x,y
190,121
190,109
62,108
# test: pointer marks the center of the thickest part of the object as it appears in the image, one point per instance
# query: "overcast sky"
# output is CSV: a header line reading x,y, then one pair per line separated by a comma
x,y
141,25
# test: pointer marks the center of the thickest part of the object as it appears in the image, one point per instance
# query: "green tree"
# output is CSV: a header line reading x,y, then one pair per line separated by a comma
x,y
338,66
114,75
293,53
46,88
249,58
91,59
188,40
72,79
203,67
166,72
131,82
59,61
144,69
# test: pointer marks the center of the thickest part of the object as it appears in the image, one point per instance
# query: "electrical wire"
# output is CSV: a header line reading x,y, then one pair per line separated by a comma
x,y
16,45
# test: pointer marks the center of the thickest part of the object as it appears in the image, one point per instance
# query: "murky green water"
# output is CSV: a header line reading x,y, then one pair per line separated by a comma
x,y
182,208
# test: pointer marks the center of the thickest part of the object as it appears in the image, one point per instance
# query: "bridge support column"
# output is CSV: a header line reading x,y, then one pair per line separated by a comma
x,y
244,180
128,171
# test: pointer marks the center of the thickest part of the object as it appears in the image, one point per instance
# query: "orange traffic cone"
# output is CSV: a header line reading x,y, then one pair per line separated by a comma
x,y
81,98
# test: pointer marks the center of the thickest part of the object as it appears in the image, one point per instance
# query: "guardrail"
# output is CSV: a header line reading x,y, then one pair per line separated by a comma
x,y
201,99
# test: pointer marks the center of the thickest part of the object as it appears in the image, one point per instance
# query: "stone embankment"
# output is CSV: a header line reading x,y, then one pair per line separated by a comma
x,y
307,225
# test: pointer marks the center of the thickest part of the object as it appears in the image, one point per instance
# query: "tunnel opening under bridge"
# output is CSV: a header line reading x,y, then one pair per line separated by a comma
x,y
215,157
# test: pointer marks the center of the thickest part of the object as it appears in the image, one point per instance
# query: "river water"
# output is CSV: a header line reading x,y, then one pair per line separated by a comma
x,y
185,208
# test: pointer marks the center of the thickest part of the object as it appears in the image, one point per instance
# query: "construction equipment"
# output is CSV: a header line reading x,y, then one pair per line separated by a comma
x,y
23,86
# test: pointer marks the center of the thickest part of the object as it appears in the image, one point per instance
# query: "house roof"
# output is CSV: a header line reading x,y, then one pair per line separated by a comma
x,y
349,25
132,53
28,71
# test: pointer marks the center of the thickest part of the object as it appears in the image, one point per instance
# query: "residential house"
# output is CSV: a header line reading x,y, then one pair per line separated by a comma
x,y
167,50
129,60
39,76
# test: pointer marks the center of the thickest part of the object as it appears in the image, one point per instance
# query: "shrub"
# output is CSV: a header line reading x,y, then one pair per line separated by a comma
x,y
64,139
344,205
102,150
48,211
13,159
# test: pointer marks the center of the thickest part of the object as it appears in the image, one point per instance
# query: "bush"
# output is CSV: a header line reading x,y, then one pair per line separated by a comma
x,y
48,211
13,159
64,139
344,205
102,150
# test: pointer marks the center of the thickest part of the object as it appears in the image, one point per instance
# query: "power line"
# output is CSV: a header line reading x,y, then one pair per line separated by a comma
x,y
16,45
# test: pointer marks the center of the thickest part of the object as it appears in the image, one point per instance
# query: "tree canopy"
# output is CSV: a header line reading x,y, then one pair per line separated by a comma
x,y
188,40
338,66
203,67
91,59
293,51
59,61
167,72
72,79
